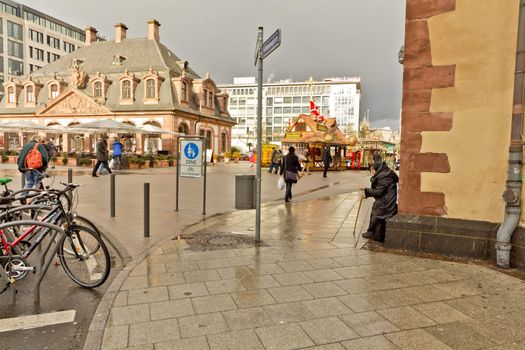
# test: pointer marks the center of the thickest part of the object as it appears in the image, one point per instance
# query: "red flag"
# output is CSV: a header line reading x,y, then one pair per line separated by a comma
x,y
314,109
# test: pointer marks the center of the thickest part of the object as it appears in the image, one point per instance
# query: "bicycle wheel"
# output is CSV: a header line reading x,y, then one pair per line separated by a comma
x,y
82,259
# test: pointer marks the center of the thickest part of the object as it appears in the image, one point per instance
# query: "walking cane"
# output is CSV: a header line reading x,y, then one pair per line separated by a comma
x,y
358,211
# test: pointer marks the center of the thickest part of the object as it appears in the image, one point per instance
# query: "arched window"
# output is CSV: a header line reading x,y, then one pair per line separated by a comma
x,y
150,88
11,94
184,91
30,95
54,91
126,90
98,89
223,141
183,128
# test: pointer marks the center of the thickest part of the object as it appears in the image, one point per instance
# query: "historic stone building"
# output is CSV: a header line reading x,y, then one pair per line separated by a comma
x,y
137,81
458,87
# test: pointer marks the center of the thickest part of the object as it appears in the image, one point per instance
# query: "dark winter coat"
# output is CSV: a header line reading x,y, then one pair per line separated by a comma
x,y
384,191
25,150
290,163
327,157
274,156
102,150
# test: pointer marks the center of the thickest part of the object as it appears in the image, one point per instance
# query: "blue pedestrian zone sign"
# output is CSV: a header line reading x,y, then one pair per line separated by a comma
x,y
191,158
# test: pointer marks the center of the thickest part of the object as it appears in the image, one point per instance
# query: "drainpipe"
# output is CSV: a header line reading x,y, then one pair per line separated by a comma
x,y
512,195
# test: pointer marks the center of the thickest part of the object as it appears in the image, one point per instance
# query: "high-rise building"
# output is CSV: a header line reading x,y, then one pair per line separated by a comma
x,y
30,39
336,97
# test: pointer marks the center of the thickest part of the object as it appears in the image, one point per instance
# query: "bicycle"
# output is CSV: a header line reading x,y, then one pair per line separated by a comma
x,y
82,253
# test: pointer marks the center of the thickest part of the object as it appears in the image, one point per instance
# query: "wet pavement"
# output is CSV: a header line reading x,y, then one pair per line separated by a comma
x,y
310,286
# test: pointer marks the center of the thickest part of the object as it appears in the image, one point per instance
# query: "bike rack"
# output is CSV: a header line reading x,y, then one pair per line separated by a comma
x,y
44,263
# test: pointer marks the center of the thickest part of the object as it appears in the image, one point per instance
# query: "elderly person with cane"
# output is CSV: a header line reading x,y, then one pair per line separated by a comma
x,y
384,191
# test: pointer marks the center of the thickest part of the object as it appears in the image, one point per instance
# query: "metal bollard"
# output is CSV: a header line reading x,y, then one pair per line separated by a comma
x,y
112,195
146,209
69,175
23,180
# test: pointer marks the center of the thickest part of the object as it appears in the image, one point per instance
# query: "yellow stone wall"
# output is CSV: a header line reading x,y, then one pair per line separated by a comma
x,y
479,37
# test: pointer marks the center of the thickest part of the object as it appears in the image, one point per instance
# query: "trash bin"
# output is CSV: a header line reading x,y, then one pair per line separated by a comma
x,y
244,191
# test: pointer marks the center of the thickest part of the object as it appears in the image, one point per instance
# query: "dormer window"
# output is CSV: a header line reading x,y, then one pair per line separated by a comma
x,y
184,91
54,91
30,94
11,95
97,87
126,90
151,92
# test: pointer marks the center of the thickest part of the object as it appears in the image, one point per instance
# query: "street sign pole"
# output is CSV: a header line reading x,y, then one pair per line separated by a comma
x,y
177,169
205,147
259,134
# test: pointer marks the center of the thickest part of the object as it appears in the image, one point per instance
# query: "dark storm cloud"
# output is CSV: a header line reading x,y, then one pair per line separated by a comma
x,y
321,38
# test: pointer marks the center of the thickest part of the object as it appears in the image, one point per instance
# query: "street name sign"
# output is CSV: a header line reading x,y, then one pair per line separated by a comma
x,y
191,158
273,42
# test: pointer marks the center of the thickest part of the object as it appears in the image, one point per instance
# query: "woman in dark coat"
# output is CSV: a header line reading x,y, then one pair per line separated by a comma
x,y
290,167
384,191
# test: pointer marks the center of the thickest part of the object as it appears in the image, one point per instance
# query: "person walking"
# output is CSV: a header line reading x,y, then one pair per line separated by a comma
x,y
290,168
117,153
278,160
51,151
273,160
306,155
384,190
327,159
102,155
33,156
251,158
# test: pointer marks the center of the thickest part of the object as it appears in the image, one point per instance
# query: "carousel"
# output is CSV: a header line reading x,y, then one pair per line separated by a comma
x,y
309,133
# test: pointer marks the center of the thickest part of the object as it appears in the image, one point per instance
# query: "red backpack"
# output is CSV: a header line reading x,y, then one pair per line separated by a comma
x,y
33,158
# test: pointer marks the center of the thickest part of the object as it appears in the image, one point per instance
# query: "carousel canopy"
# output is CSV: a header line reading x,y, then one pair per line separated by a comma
x,y
306,130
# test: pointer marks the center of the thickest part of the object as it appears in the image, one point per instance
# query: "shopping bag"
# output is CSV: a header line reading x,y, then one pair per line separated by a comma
x,y
280,183
112,164
102,170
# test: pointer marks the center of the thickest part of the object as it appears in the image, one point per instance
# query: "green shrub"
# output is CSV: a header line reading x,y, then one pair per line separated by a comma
x,y
227,155
65,160
235,149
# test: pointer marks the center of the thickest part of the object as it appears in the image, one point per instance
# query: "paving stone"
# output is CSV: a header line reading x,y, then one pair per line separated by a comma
x,y
166,279
115,337
236,340
458,289
198,343
121,299
377,342
201,276
430,293
499,329
416,339
128,314
225,286
406,317
252,298
334,346
137,282
369,323
247,318
213,303
441,312
327,307
238,272
328,330
190,290
181,266
289,294
459,336
324,289
363,302
147,295
194,326
292,278
323,263
171,309
352,272
260,282
396,297
289,312
283,337
325,275
295,265
153,332
385,282
354,285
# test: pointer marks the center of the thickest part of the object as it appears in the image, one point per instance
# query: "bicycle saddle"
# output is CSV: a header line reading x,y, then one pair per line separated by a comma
x,y
5,180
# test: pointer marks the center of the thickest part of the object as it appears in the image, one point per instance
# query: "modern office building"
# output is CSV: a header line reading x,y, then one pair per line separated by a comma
x,y
284,100
30,39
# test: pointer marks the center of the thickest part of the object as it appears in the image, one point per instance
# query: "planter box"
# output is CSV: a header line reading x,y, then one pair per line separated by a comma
x,y
133,166
226,160
70,162
163,163
12,159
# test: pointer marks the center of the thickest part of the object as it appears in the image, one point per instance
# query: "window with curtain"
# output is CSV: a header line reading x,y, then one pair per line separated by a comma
x,y
11,94
54,91
30,95
150,88
98,89
126,90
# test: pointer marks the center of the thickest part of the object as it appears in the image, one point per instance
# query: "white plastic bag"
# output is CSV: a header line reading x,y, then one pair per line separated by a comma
x,y
280,183
112,164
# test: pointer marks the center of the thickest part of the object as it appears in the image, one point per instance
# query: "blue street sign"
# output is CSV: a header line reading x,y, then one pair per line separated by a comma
x,y
191,151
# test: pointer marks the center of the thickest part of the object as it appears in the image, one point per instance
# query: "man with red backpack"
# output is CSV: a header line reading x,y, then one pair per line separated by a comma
x,y
33,156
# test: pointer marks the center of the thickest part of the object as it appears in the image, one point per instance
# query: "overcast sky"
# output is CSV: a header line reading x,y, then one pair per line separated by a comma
x,y
320,38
